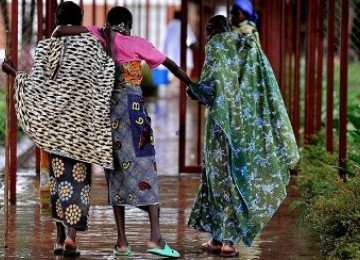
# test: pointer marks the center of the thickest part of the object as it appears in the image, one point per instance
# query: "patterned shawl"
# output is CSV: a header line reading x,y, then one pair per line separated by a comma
x,y
243,98
63,105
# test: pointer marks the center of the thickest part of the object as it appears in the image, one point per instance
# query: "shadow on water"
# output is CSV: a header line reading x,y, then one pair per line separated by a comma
x,y
32,232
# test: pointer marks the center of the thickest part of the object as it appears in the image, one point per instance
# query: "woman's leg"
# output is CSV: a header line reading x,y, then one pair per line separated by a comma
x,y
155,234
61,233
119,213
71,237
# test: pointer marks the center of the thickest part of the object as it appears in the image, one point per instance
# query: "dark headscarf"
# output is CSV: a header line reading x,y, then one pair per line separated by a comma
x,y
247,8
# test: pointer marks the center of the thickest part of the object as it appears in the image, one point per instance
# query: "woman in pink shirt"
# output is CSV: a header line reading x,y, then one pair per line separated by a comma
x,y
134,180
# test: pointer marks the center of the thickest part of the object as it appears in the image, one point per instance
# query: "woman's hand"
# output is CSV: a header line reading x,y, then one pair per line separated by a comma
x,y
191,94
8,67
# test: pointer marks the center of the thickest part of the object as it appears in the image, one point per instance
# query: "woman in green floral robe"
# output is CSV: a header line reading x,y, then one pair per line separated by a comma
x,y
249,145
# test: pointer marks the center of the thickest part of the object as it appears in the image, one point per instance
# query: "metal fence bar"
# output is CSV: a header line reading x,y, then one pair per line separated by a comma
x,y
289,59
105,10
330,77
182,95
319,69
13,122
310,69
40,33
40,19
93,10
296,116
344,55
7,152
283,49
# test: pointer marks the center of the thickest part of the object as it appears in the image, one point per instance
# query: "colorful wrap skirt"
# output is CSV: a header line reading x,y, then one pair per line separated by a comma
x,y
70,183
134,179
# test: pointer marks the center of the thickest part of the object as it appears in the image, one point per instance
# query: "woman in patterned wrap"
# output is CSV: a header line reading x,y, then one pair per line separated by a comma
x,y
70,176
134,180
249,146
243,18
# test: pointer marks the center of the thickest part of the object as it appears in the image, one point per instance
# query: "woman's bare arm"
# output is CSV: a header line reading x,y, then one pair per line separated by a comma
x,y
68,30
177,71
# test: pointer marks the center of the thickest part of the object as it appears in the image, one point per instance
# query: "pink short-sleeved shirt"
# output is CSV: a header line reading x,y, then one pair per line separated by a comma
x,y
132,48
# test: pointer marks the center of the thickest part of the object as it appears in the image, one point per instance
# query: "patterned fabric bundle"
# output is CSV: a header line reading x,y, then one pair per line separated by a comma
x,y
63,105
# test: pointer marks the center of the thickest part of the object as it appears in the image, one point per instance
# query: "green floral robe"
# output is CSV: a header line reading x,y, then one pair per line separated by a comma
x,y
249,142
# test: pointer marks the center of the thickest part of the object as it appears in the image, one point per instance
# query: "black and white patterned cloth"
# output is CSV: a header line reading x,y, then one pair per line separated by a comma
x,y
63,104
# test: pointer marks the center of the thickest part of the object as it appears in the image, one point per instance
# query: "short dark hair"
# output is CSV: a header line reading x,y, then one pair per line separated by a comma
x,y
219,23
118,15
68,13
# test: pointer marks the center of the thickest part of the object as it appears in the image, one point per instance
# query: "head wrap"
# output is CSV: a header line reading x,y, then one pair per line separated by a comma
x,y
247,8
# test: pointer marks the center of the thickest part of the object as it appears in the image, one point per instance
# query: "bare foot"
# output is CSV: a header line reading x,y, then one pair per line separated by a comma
x,y
159,244
69,243
122,248
212,246
229,250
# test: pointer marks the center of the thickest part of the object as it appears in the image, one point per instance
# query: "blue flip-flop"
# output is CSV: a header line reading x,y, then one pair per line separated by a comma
x,y
166,251
116,251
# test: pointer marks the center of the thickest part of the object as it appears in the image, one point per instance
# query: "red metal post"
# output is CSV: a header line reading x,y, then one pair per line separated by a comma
x,y
319,69
330,77
105,9
40,33
9,84
282,50
40,20
296,122
182,96
13,121
310,70
289,68
344,45
47,17
50,17
93,9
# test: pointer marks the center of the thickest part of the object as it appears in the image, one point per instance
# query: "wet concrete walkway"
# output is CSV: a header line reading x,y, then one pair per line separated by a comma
x,y
32,232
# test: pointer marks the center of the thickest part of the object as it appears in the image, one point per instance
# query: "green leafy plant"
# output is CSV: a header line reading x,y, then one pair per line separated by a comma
x,y
328,205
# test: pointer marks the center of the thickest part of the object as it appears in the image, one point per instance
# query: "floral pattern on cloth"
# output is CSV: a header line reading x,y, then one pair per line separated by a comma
x,y
132,72
248,28
70,183
249,145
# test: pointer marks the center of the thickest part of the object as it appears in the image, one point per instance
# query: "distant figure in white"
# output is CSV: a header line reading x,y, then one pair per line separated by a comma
x,y
172,43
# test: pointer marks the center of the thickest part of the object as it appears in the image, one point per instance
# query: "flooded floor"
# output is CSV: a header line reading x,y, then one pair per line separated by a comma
x,y
32,232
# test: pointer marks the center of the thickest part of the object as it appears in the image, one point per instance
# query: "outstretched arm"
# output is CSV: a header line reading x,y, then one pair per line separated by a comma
x,y
66,30
177,71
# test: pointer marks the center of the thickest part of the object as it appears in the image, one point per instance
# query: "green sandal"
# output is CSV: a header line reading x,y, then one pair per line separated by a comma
x,y
166,251
116,251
